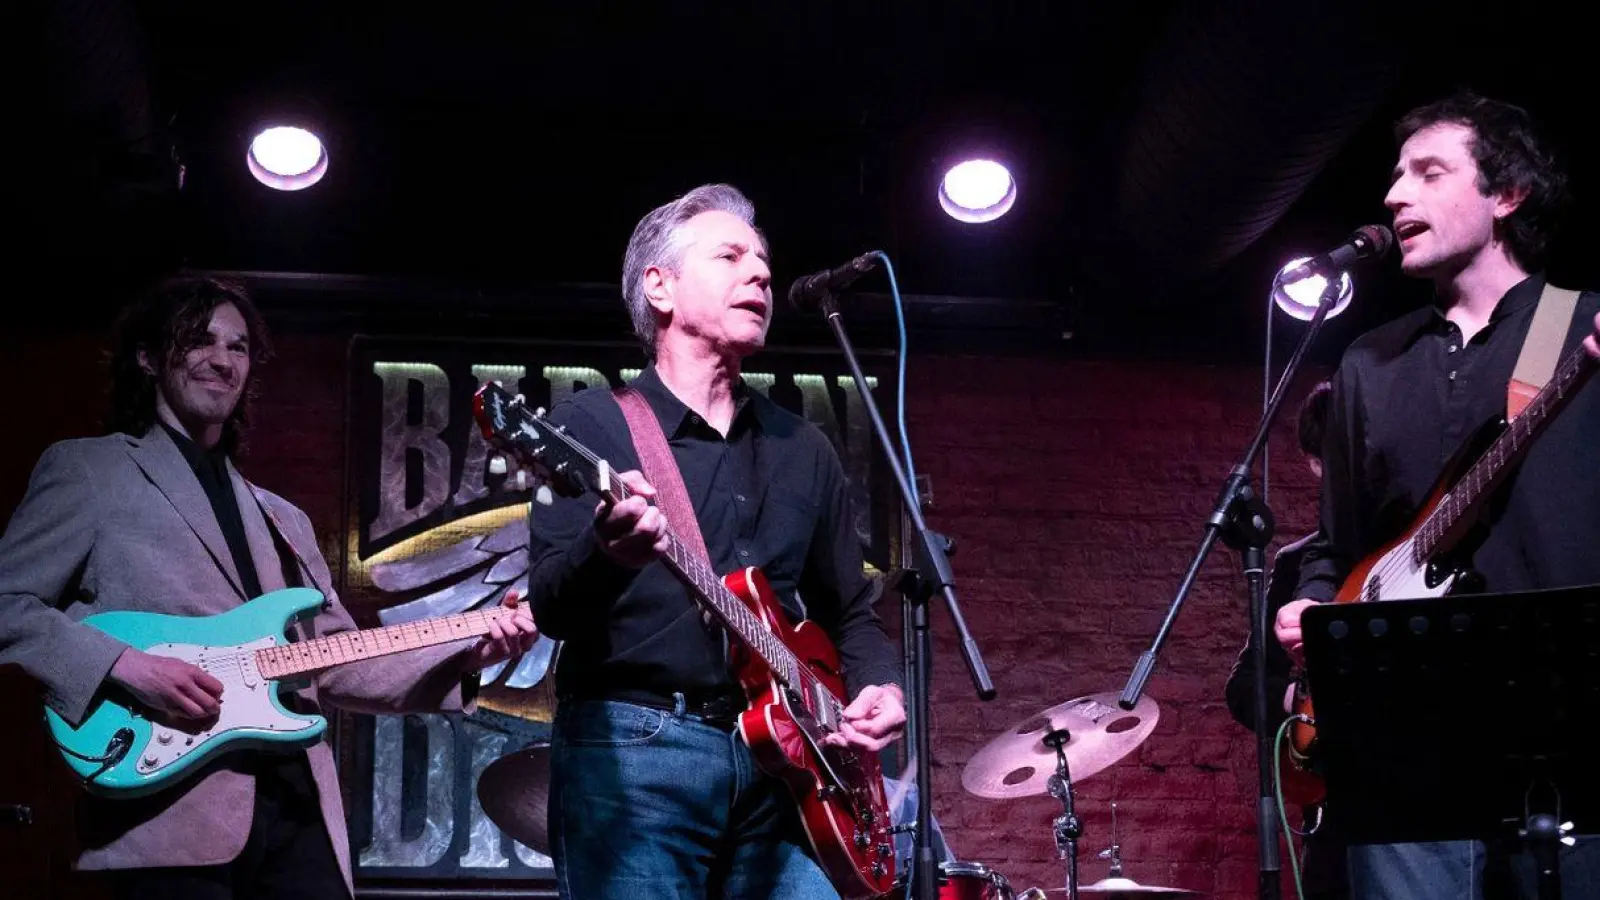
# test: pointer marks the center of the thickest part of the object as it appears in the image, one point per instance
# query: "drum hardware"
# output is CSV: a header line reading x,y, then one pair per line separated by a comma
x,y
1067,827
1114,884
965,881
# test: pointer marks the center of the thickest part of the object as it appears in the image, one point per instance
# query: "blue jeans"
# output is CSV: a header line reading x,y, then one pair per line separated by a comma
x,y
1466,870
650,803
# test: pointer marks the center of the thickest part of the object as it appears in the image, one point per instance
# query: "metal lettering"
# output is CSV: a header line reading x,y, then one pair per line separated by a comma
x,y
564,381
398,436
483,847
388,847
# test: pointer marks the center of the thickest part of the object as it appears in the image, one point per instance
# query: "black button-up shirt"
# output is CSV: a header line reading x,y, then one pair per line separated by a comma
x,y
1408,396
770,494
211,468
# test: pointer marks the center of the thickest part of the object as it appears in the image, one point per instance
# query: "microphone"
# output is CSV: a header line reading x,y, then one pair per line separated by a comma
x,y
809,292
1366,242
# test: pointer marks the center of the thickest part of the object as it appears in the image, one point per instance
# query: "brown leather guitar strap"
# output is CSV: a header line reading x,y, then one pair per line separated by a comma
x,y
661,470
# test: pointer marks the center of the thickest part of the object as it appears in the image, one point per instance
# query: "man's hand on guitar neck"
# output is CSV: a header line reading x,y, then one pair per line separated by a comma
x,y
872,721
1287,629
633,533
168,686
1592,342
508,638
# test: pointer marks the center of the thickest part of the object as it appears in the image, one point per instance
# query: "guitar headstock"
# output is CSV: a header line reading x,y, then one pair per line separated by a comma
x,y
526,435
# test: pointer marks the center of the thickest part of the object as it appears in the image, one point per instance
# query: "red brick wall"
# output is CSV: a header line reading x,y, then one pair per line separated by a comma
x,y
1077,493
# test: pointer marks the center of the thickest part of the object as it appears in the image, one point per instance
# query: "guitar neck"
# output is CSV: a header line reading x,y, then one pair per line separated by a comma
x,y
709,590
1491,468
299,658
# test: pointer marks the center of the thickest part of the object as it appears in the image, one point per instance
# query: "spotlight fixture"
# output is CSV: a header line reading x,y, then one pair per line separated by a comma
x,y
977,190
287,158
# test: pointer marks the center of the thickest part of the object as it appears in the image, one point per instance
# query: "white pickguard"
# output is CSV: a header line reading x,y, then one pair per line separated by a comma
x,y
1396,577
246,703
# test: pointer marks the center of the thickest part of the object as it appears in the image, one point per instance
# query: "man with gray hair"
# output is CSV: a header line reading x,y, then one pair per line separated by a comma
x,y
653,790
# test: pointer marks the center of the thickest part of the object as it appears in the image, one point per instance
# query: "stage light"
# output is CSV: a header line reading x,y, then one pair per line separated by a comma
x,y
1299,297
287,158
978,190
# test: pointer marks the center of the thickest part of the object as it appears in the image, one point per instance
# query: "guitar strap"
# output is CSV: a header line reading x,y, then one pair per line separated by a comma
x,y
289,558
1541,351
661,470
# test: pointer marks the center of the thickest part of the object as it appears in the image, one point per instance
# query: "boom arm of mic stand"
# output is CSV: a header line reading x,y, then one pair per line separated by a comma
x,y
930,555
1236,499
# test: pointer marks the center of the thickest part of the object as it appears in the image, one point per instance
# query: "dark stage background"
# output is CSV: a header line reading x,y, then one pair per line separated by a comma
x,y
1083,371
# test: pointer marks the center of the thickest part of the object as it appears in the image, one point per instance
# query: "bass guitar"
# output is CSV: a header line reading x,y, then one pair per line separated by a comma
x,y
789,673
121,750
1429,559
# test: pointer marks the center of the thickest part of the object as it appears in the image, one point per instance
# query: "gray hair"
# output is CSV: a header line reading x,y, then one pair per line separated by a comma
x,y
657,241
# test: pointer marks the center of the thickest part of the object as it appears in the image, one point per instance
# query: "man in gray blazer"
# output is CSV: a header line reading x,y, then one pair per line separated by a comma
x,y
155,517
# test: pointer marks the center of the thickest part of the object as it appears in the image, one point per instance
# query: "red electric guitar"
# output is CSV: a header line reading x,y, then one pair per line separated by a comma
x,y
790,673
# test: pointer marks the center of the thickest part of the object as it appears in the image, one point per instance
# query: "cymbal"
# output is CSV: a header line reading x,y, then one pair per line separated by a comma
x,y
1117,887
1018,764
514,791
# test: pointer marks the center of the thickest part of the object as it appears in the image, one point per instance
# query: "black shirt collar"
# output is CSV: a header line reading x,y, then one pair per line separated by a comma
x,y
1522,296
214,459
677,418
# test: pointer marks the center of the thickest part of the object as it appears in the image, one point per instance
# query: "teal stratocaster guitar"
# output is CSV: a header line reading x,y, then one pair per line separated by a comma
x,y
119,751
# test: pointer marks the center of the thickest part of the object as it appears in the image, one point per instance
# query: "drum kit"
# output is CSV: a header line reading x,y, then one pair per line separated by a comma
x,y
1042,754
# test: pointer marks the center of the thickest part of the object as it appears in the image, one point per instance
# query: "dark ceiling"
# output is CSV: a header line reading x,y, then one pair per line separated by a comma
x,y
1169,155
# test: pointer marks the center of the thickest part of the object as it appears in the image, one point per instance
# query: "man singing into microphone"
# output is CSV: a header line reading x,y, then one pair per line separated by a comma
x,y
653,790
1473,195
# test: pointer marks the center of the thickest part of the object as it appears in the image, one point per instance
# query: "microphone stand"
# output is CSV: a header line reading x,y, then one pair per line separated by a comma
x,y
929,573
1243,521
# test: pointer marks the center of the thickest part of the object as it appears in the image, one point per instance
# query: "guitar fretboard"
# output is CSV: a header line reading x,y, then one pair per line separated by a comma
x,y
697,574
350,646
1492,466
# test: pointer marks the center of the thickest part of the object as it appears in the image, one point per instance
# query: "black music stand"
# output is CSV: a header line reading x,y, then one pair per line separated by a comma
x,y
1459,718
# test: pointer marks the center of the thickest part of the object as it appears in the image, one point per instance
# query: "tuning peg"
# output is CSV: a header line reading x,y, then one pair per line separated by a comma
x,y
518,400
497,465
539,413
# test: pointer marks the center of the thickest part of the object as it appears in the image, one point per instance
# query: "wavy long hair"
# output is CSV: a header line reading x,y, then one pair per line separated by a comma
x,y
165,324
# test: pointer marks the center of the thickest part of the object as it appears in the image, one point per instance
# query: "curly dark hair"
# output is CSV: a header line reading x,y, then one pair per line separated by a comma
x,y
1512,157
166,323
1313,422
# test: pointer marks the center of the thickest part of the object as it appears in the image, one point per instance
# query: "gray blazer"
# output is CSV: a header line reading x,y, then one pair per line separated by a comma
x,y
120,522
